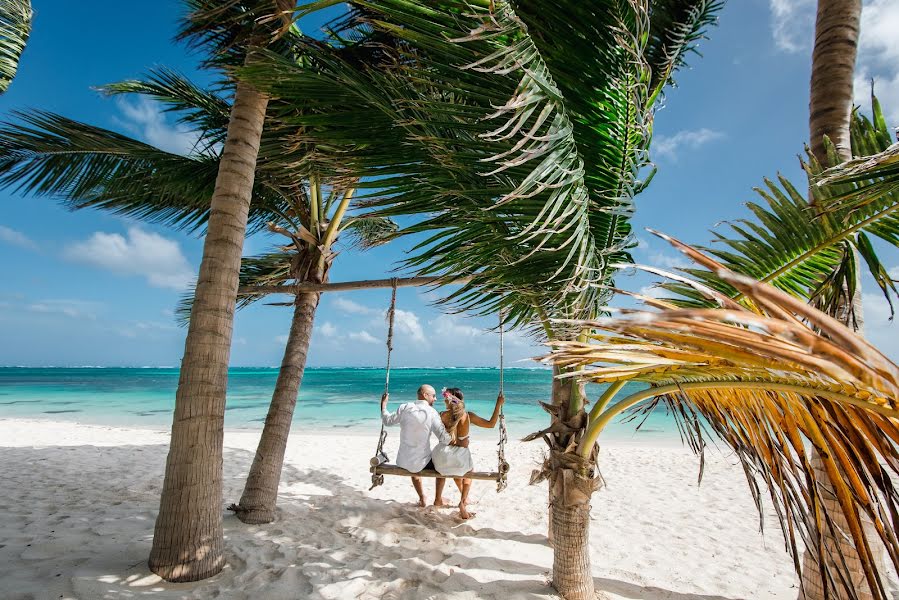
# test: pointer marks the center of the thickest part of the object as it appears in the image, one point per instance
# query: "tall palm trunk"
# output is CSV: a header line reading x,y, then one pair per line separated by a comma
x,y
572,481
188,537
257,504
833,69
830,106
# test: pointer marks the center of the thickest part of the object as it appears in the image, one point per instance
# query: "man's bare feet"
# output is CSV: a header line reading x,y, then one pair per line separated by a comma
x,y
438,502
421,502
464,513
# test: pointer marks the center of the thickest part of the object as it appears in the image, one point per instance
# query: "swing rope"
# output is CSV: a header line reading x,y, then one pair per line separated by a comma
x,y
502,465
380,456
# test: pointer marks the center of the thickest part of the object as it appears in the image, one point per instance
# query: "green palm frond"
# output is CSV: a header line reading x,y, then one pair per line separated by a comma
x,y
514,135
91,167
15,27
766,380
806,249
200,109
370,232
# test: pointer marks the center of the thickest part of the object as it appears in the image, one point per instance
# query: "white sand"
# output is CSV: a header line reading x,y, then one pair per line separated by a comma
x,y
79,502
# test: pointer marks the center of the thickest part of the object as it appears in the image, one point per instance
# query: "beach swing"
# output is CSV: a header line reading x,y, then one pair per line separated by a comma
x,y
380,465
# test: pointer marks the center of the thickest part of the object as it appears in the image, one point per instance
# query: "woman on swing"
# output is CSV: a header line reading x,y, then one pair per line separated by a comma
x,y
454,460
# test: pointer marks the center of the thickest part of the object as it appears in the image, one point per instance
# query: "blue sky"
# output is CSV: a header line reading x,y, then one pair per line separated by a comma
x,y
88,288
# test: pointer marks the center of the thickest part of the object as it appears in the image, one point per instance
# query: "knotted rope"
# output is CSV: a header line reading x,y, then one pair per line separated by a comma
x,y
502,466
380,457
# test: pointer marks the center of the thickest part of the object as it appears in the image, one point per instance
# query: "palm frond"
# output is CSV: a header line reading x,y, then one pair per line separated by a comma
x,y
768,380
91,167
370,232
15,27
200,109
556,142
807,248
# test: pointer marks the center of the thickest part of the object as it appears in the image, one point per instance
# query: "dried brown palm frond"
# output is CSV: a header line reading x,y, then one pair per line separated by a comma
x,y
770,380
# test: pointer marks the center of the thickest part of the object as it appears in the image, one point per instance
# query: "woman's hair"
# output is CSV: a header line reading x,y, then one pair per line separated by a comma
x,y
456,410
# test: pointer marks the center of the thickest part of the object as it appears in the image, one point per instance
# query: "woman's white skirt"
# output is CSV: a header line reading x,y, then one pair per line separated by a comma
x,y
452,461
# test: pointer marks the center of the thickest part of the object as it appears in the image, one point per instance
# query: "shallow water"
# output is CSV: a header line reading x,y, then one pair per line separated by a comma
x,y
330,398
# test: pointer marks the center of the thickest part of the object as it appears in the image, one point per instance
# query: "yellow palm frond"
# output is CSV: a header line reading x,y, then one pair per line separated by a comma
x,y
770,379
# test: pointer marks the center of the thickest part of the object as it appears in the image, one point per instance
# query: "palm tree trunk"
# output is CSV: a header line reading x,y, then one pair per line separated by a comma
x,y
833,69
257,504
188,538
812,583
572,481
830,106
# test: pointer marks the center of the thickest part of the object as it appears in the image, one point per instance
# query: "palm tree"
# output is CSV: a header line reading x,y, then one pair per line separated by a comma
x,y
90,167
812,253
768,376
515,136
833,69
15,26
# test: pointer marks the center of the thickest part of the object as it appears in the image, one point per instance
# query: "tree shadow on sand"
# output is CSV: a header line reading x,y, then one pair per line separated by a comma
x,y
80,522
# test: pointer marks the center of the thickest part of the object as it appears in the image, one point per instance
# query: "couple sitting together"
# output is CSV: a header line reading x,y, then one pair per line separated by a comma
x,y
451,457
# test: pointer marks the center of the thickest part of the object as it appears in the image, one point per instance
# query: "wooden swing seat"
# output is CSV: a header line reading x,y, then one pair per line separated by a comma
x,y
389,469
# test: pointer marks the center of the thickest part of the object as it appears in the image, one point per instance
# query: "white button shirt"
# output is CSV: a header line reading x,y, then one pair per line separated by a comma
x,y
417,421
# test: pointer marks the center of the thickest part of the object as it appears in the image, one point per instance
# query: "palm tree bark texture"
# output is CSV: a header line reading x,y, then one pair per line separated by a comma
x,y
257,504
188,537
830,104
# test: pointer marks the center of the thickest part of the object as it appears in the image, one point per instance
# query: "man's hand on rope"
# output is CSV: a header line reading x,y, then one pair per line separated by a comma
x,y
384,398
500,399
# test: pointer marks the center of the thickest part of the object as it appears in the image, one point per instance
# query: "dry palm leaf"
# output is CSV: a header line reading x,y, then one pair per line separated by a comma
x,y
771,381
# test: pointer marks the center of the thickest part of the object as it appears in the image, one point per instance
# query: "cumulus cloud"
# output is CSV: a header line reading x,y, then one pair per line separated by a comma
x,y
879,330
451,327
894,272
328,329
793,30
654,257
407,322
671,146
75,309
16,238
793,24
346,305
281,340
145,119
138,252
878,58
363,337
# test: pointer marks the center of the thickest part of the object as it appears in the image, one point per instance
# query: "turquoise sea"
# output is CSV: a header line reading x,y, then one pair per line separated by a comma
x,y
330,398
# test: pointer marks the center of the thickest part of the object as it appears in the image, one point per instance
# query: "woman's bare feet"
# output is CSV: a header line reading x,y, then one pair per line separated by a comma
x,y
464,513
439,503
421,502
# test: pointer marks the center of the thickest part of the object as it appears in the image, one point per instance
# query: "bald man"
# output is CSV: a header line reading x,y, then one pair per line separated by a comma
x,y
417,421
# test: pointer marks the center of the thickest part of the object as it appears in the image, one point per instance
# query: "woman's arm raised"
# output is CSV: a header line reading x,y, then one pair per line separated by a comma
x,y
482,422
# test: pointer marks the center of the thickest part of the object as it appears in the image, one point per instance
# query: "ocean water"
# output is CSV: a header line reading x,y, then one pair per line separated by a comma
x,y
330,398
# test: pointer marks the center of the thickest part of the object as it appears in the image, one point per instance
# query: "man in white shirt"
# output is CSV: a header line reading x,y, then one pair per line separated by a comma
x,y
417,421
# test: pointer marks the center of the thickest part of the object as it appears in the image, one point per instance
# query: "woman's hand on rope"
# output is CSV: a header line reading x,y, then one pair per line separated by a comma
x,y
384,398
500,400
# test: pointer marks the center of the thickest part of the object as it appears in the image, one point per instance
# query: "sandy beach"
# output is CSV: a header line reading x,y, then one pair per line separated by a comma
x,y
80,503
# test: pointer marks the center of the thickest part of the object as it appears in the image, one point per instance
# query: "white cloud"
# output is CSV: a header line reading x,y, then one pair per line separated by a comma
x,y
140,253
879,330
145,119
363,337
281,340
407,322
16,238
328,330
451,327
663,260
652,291
354,308
793,24
878,58
894,272
793,29
75,309
671,146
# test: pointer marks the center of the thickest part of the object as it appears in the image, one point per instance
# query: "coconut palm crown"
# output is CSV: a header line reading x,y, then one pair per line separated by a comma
x,y
15,27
